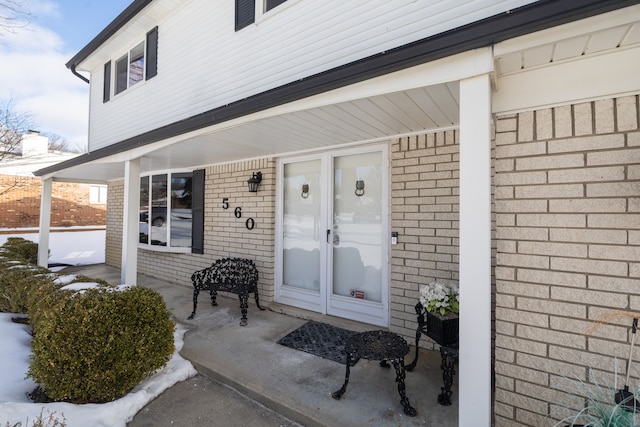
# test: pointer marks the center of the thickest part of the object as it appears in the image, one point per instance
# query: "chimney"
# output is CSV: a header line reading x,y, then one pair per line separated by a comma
x,y
34,145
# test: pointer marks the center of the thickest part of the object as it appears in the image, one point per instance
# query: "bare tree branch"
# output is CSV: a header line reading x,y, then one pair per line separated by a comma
x,y
13,15
13,125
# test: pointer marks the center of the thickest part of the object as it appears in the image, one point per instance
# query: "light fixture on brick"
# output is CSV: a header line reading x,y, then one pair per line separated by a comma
x,y
253,182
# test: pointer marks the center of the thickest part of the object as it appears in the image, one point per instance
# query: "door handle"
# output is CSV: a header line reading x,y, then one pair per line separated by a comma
x,y
328,233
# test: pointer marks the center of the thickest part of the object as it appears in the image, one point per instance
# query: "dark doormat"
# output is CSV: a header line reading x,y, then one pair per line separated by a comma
x,y
319,339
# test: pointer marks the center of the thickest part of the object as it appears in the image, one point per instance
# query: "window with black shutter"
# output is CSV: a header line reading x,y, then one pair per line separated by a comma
x,y
245,13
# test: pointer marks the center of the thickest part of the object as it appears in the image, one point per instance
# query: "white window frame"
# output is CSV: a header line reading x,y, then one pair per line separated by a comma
x,y
97,194
262,13
127,57
168,248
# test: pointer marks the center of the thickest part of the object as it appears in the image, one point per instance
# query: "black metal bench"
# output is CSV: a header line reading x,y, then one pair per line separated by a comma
x,y
235,275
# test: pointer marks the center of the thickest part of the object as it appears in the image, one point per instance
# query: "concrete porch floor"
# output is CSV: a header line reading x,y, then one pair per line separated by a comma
x,y
292,383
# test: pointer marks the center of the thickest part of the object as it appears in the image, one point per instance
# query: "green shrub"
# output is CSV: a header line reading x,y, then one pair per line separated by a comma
x,y
20,249
95,345
17,285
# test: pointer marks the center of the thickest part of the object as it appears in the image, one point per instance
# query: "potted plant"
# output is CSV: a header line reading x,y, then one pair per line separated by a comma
x,y
440,305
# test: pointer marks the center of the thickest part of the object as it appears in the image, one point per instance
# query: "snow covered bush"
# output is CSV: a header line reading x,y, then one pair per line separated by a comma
x,y
18,278
95,345
20,249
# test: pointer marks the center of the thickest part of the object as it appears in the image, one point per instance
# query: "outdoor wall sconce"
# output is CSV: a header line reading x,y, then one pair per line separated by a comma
x,y
305,191
253,182
359,187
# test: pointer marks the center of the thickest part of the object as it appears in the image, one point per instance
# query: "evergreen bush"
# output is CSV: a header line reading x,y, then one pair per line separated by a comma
x,y
20,249
95,345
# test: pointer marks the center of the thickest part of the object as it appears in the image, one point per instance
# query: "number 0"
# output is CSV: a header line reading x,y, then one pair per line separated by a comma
x,y
250,223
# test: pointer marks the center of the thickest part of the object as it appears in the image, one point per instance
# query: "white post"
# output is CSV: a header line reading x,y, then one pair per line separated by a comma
x,y
130,221
475,252
45,222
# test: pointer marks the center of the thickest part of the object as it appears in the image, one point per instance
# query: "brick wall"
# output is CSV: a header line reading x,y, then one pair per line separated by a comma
x,y
424,212
20,204
225,235
113,236
567,190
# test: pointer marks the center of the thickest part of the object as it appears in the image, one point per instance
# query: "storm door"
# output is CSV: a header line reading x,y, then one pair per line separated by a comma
x,y
332,234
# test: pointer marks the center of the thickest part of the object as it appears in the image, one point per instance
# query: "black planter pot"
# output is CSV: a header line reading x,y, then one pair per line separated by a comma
x,y
443,329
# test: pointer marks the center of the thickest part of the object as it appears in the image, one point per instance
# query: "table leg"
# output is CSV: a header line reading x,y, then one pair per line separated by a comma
x,y
398,364
448,367
338,394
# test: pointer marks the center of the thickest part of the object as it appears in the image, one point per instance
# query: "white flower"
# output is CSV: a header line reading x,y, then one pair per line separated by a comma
x,y
440,297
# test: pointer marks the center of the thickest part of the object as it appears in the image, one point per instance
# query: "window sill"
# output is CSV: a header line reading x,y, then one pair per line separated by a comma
x,y
165,249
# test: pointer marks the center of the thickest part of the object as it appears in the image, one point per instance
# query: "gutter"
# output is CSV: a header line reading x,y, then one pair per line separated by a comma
x,y
75,73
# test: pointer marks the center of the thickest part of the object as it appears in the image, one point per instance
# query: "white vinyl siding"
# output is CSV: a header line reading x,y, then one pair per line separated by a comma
x,y
302,39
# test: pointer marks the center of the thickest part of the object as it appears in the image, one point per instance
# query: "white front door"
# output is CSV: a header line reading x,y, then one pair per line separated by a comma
x,y
332,234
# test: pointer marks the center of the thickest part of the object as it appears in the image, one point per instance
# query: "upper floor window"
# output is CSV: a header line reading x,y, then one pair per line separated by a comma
x,y
130,68
139,64
246,10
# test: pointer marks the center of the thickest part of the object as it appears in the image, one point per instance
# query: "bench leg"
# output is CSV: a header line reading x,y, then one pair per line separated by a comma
x,y
214,296
196,291
255,294
244,304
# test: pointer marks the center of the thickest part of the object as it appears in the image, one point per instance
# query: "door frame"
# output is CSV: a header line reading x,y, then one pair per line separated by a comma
x,y
342,309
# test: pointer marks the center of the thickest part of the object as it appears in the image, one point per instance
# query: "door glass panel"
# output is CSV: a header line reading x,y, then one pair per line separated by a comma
x,y
301,226
357,226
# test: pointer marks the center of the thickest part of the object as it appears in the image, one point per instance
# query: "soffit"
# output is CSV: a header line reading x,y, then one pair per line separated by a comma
x,y
363,120
598,35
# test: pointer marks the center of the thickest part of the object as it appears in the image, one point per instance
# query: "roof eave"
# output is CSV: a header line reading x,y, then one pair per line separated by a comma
x,y
129,13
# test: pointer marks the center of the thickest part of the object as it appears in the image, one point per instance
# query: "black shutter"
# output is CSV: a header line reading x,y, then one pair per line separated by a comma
x,y
151,61
197,212
245,13
106,85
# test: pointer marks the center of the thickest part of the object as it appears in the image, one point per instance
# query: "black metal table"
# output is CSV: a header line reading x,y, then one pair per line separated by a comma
x,y
379,345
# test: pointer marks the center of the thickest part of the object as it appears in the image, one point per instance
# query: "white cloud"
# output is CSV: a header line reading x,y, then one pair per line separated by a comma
x,y
34,76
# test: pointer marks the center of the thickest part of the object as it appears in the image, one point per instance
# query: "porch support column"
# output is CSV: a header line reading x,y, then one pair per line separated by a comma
x,y
130,221
475,252
45,222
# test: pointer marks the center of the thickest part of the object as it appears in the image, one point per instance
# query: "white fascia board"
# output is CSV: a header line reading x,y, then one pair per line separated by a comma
x,y
592,78
574,29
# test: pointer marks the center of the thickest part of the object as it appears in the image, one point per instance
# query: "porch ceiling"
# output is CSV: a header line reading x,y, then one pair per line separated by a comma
x,y
368,119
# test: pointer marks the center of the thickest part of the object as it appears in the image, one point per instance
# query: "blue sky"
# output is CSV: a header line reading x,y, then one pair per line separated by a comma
x,y
37,81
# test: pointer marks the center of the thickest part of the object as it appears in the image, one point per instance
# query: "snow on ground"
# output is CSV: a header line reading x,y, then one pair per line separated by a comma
x,y
16,407
74,248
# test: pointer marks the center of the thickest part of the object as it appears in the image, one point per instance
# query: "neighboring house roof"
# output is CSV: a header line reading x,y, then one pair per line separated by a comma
x,y
524,20
21,166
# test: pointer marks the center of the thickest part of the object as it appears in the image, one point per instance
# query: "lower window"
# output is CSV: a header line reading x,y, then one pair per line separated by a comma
x,y
166,213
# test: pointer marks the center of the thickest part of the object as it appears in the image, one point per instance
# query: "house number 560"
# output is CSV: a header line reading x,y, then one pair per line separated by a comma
x,y
237,212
